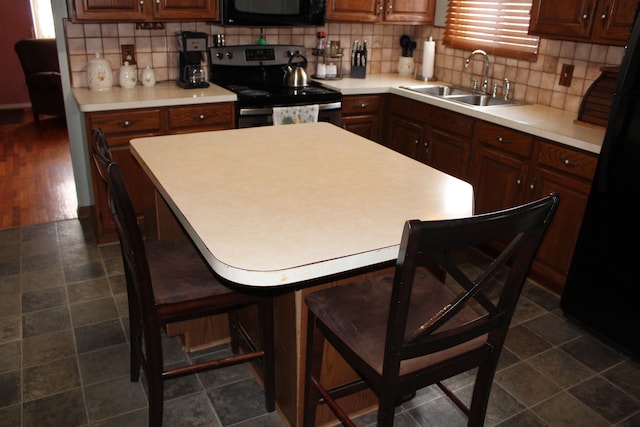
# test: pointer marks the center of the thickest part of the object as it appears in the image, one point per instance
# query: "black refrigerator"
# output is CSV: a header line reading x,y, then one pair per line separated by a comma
x,y
602,291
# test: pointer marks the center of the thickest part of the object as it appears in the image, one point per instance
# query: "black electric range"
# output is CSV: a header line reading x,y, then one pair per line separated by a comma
x,y
256,75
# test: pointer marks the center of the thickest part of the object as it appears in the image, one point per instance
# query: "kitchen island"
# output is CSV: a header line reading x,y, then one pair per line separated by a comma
x,y
290,209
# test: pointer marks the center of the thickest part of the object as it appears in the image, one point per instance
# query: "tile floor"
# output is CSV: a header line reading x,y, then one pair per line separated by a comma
x,y
64,352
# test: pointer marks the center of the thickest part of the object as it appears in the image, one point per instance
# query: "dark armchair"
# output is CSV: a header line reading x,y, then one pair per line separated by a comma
x,y
39,60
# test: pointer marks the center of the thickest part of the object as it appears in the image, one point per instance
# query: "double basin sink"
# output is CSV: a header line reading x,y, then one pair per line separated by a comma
x,y
460,95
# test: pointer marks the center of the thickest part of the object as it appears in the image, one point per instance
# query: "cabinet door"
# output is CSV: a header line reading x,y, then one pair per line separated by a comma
x,y
109,10
556,250
614,21
366,125
354,10
573,19
449,153
413,11
498,179
186,10
404,135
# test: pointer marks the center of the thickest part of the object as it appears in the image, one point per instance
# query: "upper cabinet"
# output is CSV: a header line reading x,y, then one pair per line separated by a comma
x,y
143,10
593,21
396,11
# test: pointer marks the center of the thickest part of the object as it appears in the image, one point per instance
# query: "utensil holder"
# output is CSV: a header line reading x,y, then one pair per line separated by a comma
x,y
358,72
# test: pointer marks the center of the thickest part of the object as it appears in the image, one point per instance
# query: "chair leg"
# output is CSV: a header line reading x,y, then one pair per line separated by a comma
x,y
386,409
265,308
156,400
313,365
482,392
234,333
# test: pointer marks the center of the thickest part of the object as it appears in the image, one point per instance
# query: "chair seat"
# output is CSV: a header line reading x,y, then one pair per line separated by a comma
x,y
180,274
353,325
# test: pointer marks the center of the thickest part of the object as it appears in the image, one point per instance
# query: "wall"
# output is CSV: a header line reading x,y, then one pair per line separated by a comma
x,y
16,24
532,82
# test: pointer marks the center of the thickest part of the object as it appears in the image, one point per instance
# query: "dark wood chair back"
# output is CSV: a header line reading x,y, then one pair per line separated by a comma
x,y
433,328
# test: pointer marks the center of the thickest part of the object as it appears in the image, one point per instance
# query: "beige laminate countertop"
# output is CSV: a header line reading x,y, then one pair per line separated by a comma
x,y
310,178
545,122
163,94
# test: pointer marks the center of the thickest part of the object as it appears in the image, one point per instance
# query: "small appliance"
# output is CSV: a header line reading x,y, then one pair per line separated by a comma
x,y
192,48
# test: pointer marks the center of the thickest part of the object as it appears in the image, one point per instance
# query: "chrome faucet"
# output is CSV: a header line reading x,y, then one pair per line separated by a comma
x,y
485,77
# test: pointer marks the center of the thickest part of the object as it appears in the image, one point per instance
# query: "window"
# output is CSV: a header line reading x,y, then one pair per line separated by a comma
x,y
499,27
42,19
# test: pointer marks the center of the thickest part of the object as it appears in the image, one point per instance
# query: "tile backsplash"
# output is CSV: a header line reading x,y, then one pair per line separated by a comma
x,y
531,82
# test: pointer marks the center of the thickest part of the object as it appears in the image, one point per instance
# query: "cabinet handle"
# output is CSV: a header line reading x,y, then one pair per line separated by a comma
x,y
158,5
605,14
519,181
426,145
380,7
364,105
502,140
142,5
532,186
568,162
389,7
199,117
127,123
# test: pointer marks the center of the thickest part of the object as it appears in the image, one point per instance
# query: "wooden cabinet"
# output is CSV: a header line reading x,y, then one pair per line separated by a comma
x,y
416,130
123,125
500,166
396,11
143,10
511,167
569,172
361,114
599,21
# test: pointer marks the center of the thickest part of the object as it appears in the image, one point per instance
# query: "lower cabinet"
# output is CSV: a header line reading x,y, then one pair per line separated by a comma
x,y
510,167
415,129
123,125
361,114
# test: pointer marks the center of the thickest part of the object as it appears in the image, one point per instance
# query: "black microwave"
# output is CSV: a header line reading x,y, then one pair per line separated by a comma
x,y
273,13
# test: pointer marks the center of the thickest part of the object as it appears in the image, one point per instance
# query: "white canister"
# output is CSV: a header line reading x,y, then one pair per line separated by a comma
x,y
148,77
406,67
128,76
332,71
99,74
321,71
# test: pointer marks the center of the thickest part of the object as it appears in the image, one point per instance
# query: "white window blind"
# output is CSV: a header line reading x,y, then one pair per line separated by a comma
x,y
500,27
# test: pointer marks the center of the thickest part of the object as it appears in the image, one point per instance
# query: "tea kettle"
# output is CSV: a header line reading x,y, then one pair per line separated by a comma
x,y
295,74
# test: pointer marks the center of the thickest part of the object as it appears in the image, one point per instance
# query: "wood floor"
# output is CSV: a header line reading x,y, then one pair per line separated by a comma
x,y
36,177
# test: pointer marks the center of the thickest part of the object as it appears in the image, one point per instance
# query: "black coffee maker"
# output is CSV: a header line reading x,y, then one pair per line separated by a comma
x,y
192,48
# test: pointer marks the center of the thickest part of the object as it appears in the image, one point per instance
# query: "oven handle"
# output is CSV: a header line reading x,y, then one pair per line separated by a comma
x,y
269,110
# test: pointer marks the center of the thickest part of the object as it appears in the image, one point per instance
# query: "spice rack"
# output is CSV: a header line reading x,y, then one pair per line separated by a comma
x,y
326,58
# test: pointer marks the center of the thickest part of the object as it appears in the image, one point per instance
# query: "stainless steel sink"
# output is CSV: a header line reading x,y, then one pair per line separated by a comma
x,y
464,96
438,90
480,100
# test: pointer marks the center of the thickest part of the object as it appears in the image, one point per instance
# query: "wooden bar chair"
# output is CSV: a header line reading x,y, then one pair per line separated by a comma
x,y
169,281
410,329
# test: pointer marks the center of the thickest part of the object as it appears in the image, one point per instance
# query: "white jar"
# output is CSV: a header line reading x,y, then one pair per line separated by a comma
x,y
99,74
148,77
406,67
128,76
321,72
332,71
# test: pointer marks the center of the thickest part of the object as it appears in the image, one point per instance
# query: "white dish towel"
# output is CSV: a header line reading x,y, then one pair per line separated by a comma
x,y
295,114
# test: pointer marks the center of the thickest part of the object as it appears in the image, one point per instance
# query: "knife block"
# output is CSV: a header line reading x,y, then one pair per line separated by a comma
x,y
358,72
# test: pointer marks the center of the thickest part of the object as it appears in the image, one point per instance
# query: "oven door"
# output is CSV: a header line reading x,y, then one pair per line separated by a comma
x,y
253,117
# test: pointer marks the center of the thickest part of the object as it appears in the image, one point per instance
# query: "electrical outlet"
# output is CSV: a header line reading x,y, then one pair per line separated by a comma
x,y
128,53
566,75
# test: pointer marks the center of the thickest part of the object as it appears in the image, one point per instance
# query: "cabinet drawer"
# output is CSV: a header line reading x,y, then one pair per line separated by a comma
x,y
128,122
567,160
211,115
360,104
450,121
505,139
